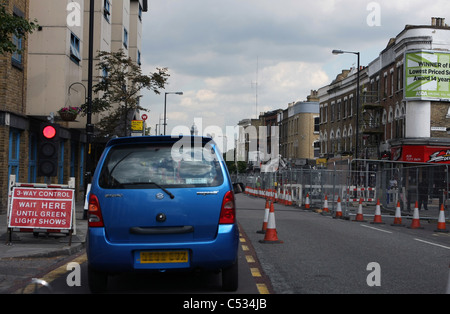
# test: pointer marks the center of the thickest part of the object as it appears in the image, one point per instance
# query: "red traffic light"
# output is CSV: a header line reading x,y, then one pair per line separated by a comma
x,y
49,131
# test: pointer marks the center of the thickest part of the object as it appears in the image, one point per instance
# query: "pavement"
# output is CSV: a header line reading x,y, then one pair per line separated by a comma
x,y
27,245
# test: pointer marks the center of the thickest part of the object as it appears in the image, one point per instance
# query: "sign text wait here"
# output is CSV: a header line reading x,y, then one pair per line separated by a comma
x,y
41,208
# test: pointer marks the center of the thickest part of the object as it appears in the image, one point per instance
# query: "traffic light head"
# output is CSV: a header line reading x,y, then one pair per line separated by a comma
x,y
48,149
49,132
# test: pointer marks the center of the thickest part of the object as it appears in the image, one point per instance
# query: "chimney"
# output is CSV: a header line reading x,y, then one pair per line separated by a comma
x,y
437,21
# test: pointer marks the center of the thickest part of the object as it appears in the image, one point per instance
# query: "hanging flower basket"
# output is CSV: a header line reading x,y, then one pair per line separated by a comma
x,y
67,116
69,113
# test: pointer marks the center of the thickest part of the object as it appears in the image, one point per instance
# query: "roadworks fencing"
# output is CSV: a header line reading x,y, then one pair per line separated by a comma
x,y
392,184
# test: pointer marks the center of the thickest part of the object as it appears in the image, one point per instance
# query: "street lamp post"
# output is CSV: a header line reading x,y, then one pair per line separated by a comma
x,y
165,103
89,125
338,52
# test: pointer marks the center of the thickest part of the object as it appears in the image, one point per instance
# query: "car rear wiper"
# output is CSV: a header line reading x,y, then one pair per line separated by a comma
x,y
150,182
165,190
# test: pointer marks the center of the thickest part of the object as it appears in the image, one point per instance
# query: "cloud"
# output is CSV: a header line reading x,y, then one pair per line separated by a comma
x,y
212,50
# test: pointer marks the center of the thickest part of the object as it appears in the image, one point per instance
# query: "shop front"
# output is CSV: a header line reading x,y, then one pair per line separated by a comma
x,y
421,153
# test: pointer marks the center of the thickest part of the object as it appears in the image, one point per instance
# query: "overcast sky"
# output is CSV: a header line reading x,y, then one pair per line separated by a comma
x,y
233,58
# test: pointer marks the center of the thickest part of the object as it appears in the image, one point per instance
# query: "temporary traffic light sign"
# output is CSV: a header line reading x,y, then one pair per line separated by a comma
x,y
48,149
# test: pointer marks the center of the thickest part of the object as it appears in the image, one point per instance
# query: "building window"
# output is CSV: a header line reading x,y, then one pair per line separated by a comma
x,y
391,115
139,57
332,112
75,55
316,146
350,134
338,141
17,55
125,38
316,124
32,161
384,117
351,106
339,110
104,74
345,107
400,78
392,82
345,138
325,143
385,89
140,12
106,10
73,158
14,153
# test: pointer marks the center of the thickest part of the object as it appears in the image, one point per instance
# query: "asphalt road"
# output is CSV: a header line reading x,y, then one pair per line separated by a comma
x,y
320,254
152,283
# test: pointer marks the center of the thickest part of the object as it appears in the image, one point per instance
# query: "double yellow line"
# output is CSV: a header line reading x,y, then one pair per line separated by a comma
x,y
262,288
51,276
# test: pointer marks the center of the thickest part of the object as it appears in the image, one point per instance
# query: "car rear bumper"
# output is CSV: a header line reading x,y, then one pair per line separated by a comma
x,y
122,257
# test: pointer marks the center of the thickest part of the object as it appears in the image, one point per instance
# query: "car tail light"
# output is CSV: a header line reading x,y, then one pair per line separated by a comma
x,y
94,212
228,211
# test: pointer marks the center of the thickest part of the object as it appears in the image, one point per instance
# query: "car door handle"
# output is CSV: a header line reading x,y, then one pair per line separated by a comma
x,y
161,230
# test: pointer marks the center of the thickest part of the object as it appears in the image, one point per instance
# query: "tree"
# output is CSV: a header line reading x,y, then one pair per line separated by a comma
x,y
13,25
119,91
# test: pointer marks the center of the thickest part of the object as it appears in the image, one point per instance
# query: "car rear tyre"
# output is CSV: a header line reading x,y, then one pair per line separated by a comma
x,y
97,280
230,278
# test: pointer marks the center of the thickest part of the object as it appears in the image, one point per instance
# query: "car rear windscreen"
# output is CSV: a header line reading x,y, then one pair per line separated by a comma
x,y
136,166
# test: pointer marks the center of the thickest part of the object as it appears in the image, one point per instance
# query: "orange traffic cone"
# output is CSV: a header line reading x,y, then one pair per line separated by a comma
x,y
289,202
415,223
377,217
271,236
307,201
441,221
338,209
325,205
359,214
266,218
398,216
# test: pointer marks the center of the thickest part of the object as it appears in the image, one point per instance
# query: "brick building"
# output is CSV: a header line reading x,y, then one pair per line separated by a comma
x,y
50,74
338,114
14,125
392,123
299,131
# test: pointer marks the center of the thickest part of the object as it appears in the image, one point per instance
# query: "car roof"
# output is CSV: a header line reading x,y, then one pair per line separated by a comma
x,y
165,139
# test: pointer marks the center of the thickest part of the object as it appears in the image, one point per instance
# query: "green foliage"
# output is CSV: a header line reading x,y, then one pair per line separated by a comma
x,y
119,91
10,25
241,166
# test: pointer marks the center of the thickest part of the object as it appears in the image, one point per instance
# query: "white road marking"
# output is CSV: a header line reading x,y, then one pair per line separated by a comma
x,y
376,229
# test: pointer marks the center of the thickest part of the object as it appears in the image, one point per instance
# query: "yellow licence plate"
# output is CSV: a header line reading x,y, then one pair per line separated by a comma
x,y
164,257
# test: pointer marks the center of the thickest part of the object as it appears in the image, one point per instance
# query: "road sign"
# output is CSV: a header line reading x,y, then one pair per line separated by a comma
x,y
41,208
144,117
137,125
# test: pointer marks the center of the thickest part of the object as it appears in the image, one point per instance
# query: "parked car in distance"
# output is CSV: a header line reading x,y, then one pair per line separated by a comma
x,y
161,203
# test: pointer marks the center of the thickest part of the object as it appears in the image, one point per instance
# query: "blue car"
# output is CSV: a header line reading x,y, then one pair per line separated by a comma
x,y
160,203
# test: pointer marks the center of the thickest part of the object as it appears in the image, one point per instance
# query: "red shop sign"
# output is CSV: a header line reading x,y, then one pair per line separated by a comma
x,y
41,208
421,153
